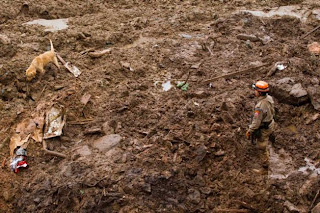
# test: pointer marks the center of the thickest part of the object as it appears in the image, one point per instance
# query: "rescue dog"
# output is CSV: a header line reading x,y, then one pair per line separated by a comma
x,y
39,62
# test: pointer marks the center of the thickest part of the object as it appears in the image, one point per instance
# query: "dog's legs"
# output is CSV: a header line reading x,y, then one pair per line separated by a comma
x,y
55,61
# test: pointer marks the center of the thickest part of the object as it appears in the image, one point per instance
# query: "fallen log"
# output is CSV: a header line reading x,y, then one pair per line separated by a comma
x,y
314,29
236,73
314,199
231,210
98,54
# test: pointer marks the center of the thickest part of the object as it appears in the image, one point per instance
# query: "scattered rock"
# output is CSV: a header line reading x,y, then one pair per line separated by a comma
x,y
4,39
196,66
308,186
7,196
224,106
247,37
314,48
315,81
206,190
316,209
227,118
107,128
85,98
314,94
313,118
291,207
289,92
194,196
37,200
201,153
220,153
93,130
126,65
84,151
146,187
106,143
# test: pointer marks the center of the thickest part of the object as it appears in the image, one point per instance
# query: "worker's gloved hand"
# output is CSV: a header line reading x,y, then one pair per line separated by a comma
x,y
248,135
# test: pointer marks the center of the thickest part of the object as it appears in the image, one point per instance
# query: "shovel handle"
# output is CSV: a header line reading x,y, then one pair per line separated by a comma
x,y
61,59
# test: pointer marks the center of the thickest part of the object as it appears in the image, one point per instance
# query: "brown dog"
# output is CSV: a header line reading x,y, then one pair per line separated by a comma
x,y
39,62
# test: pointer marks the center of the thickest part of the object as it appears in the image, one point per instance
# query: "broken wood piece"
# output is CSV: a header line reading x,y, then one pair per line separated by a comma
x,y
45,148
80,122
246,37
185,82
313,118
245,205
236,73
196,66
3,163
314,200
94,130
278,66
86,51
230,210
98,54
313,30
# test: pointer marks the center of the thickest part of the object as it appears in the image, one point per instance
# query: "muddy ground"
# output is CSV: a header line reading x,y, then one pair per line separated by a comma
x,y
180,151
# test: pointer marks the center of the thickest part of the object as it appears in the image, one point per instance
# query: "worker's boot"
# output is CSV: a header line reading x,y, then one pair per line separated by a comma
x,y
264,160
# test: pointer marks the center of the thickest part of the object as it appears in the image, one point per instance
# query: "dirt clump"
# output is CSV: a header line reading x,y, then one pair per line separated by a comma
x,y
133,140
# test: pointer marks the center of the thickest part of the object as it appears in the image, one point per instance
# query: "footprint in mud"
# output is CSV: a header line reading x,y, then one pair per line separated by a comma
x,y
280,164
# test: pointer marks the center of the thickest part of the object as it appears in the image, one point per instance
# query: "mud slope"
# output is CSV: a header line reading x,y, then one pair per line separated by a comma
x,y
178,151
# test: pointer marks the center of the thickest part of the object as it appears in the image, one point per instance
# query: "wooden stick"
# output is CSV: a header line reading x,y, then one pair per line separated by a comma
x,y
41,92
314,200
45,148
184,83
231,210
310,32
3,164
235,73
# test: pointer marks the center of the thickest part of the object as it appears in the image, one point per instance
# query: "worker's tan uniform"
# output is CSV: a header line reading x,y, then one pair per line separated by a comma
x,y
263,120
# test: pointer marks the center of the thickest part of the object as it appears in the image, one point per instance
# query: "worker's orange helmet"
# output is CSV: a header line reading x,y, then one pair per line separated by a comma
x,y
261,86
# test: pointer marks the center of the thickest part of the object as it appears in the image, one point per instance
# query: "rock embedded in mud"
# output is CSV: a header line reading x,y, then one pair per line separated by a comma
x,y
308,186
314,94
108,128
247,37
291,207
4,39
286,90
37,200
316,209
194,196
7,196
201,153
106,143
84,151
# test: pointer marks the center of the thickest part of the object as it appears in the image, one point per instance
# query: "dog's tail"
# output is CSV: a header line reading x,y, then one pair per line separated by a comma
x,y
52,50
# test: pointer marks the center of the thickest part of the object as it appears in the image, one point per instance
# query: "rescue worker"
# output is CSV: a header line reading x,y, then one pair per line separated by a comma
x,y
263,124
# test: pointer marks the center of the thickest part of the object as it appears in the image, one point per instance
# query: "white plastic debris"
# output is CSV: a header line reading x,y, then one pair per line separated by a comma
x,y
55,120
166,86
50,25
281,67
